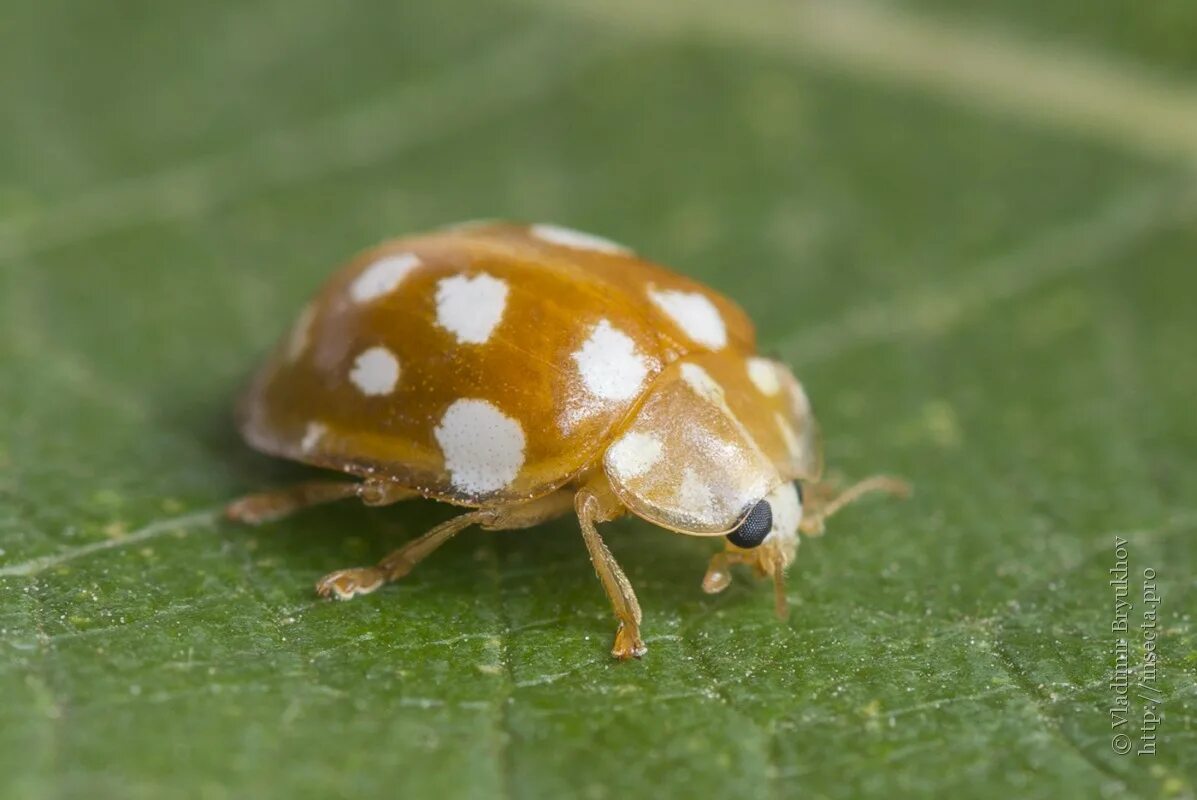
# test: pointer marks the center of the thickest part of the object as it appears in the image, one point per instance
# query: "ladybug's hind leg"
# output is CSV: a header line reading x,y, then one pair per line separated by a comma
x,y
256,509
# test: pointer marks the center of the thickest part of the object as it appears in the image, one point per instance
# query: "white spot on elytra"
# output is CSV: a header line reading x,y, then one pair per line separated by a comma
x,y
763,374
694,313
383,276
694,495
634,454
375,371
483,447
312,436
470,308
575,408
609,364
701,382
301,333
568,237
788,435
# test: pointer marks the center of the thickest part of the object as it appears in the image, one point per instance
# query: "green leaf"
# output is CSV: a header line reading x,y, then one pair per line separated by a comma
x,y
973,236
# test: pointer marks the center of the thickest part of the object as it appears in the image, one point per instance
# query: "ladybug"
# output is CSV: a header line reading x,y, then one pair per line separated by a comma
x,y
526,372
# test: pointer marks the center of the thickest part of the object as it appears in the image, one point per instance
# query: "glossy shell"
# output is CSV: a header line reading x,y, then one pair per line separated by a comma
x,y
494,363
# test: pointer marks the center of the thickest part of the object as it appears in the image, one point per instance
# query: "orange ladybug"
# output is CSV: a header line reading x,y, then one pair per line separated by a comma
x,y
530,371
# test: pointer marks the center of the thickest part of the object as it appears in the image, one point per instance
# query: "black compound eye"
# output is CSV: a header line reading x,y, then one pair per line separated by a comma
x,y
754,528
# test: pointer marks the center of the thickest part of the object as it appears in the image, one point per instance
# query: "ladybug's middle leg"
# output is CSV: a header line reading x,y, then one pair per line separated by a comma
x,y
345,584
348,583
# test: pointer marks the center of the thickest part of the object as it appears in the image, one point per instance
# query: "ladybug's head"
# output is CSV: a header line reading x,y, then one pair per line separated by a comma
x,y
766,540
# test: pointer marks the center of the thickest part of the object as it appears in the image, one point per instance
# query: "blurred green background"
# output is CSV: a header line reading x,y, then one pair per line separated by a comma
x,y
969,227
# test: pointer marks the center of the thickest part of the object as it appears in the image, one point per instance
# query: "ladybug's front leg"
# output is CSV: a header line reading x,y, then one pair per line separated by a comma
x,y
825,501
628,643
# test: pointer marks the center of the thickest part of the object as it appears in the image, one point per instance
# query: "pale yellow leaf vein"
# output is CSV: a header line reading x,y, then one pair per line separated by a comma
x,y
181,525
1055,86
